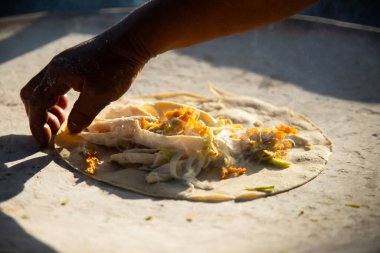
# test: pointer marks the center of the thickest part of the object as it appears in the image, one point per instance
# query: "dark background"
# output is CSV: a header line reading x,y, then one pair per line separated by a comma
x,y
366,12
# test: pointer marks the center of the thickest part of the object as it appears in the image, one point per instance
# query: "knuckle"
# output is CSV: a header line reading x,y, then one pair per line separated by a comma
x,y
24,93
57,61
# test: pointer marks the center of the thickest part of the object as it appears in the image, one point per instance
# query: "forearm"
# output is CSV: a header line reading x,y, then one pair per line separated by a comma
x,y
161,25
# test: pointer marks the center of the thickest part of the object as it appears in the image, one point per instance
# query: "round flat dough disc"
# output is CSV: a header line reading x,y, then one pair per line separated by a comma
x,y
307,164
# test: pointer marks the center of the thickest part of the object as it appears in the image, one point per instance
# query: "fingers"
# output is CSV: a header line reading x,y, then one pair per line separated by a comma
x,y
38,126
53,123
58,112
63,101
84,111
44,124
44,101
44,121
37,116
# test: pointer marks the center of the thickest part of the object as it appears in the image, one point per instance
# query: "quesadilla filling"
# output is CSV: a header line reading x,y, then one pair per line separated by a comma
x,y
91,161
172,141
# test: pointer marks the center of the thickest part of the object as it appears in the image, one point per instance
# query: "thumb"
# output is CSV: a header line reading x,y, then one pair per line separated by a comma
x,y
84,111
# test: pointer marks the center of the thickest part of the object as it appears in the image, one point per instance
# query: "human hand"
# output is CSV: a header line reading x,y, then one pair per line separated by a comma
x,y
97,69
103,68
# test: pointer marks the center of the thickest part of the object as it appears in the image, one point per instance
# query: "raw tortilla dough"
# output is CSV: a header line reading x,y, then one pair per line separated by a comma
x,y
307,164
